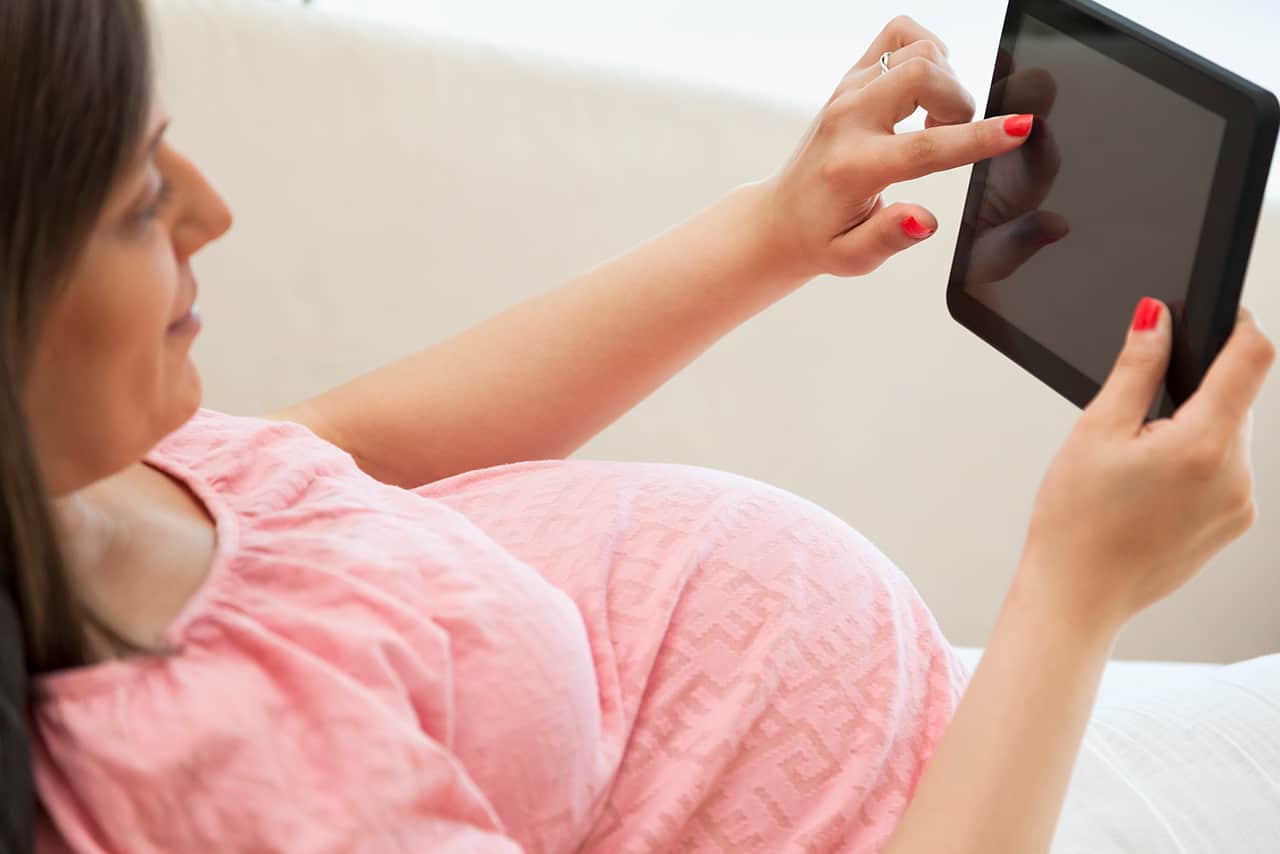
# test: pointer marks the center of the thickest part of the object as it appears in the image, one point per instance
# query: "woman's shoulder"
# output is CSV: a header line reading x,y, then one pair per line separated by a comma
x,y
223,447
208,430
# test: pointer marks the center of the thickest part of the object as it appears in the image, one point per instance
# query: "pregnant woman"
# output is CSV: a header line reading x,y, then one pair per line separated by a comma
x,y
393,618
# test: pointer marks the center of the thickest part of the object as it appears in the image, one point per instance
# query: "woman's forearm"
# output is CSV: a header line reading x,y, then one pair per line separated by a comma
x,y
999,777
540,379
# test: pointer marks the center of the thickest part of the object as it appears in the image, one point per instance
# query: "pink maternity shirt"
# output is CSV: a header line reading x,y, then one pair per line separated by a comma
x,y
549,656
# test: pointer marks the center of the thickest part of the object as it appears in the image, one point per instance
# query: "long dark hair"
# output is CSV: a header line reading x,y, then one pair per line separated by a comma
x,y
75,94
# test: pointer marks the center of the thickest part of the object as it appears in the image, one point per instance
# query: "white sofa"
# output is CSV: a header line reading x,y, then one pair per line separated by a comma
x,y
392,188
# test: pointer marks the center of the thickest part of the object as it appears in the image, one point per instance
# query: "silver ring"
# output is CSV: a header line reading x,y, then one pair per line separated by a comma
x,y
884,62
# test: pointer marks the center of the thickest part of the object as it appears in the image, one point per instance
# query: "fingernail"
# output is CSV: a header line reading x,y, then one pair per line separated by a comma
x,y
1147,315
1019,125
914,229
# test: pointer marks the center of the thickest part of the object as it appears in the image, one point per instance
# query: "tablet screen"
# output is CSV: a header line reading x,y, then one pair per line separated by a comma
x,y
1120,165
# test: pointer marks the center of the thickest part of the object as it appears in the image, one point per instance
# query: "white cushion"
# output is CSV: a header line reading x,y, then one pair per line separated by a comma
x,y
1178,757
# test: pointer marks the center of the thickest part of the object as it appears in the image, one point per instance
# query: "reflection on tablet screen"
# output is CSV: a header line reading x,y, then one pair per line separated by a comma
x,y
1101,206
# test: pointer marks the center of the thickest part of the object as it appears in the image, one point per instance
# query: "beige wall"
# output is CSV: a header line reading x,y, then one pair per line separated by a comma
x,y
391,190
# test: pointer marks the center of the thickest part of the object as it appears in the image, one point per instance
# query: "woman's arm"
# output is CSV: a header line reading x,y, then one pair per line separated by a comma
x,y
544,377
1127,513
999,777
540,379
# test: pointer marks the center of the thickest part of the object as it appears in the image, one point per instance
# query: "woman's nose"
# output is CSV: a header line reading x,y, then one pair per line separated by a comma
x,y
203,215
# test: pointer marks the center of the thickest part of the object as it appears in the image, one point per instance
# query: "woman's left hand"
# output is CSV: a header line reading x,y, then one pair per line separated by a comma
x,y
824,211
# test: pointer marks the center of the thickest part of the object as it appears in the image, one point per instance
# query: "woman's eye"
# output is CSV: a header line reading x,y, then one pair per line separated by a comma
x,y
152,209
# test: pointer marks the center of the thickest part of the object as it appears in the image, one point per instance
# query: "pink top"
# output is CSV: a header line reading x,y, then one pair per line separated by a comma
x,y
545,656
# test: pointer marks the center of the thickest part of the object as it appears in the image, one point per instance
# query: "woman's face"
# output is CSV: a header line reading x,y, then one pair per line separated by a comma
x,y
112,374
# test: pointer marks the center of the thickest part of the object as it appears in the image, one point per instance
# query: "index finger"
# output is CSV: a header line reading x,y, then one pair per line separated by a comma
x,y
898,33
907,156
1233,380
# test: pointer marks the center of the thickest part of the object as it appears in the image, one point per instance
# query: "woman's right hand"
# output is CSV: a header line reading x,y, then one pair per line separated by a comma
x,y
1128,512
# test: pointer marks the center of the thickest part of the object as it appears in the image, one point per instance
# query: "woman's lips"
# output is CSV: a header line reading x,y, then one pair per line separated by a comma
x,y
188,324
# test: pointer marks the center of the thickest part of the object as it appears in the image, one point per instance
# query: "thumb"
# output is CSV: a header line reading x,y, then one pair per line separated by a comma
x,y
1127,395
886,232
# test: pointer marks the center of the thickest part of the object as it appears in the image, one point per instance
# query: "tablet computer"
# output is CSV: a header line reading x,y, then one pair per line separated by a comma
x,y
1143,176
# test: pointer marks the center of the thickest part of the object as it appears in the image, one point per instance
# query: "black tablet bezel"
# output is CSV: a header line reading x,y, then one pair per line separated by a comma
x,y
1235,201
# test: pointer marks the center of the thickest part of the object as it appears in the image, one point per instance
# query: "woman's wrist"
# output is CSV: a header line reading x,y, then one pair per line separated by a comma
x,y
1052,593
767,242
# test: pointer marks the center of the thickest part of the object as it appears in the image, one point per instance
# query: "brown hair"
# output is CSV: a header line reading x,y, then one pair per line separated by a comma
x,y
75,93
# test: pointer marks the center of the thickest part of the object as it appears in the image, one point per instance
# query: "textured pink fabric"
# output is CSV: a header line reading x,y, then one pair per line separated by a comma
x,y
546,656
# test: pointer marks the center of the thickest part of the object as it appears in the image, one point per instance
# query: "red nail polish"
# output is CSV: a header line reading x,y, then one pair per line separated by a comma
x,y
1147,315
914,229
1019,125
